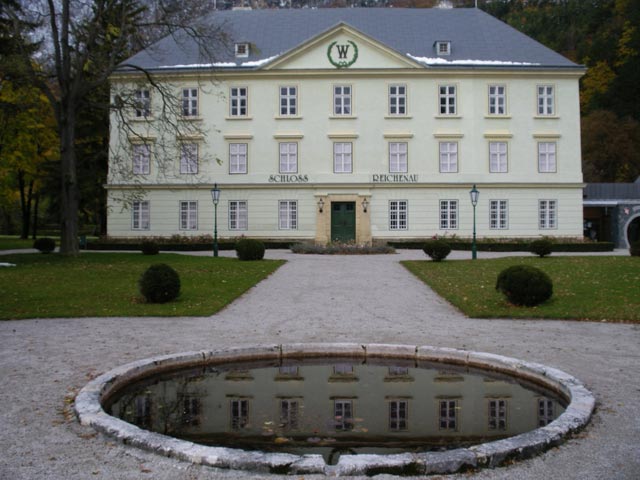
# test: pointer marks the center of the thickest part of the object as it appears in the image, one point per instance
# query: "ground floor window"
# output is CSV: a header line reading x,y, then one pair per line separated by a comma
x,y
398,415
448,412
545,411
239,414
140,215
448,214
547,214
343,414
289,410
288,215
497,414
498,214
188,215
398,214
238,215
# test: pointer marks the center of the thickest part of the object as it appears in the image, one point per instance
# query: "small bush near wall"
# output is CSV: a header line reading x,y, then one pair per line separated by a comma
x,y
250,249
159,284
437,249
634,249
150,247
45,244
542,247
524,285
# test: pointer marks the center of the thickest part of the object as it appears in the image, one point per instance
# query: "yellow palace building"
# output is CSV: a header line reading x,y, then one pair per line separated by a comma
x,y
363,125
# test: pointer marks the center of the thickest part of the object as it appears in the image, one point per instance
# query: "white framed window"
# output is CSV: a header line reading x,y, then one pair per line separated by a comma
x,y
239,413
241,50
188,215
546,100
343,414
343,369
443,48
239,101
140,217
498,157
342,100
498,214
342,157
497,414
188,158
289,370
448,415
547,157
288,101
238,215
288,157
497,100
447,99
397,99
398,157
448,214
191,409
238,158
396,371
398,415
289,413
189,102
141,158
546,411
547,214
288,215
448,157
143,103
398,214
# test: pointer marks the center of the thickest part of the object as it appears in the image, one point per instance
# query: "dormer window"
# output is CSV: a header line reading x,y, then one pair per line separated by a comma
x,y
443,47
242,50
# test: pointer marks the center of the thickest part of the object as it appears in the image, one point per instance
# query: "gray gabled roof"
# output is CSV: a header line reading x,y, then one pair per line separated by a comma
x,y
612,191
477,38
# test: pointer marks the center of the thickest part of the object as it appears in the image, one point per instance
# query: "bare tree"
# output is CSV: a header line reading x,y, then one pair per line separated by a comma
x,y
83,42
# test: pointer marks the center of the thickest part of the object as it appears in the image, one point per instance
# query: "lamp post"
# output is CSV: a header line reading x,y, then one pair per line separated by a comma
x,y
474,194
215,196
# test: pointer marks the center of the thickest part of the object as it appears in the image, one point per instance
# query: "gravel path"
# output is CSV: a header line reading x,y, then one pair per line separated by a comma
x,y
310,299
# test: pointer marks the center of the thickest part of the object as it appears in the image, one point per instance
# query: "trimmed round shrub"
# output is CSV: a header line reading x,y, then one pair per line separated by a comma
x,y
149,247
436,249
541,247
45,244
159,283
634,249
524,285
250,249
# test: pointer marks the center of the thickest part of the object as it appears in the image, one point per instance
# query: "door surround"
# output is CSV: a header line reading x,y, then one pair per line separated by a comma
x,y
323,219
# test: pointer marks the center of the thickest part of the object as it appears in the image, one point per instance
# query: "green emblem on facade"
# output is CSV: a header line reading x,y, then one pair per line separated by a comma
x,y
346,56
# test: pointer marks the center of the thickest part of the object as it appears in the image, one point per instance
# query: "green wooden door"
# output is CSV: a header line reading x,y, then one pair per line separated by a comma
x,y
343,221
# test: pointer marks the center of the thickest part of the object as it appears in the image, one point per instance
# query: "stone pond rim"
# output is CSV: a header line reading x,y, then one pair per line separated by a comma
x,y
89,410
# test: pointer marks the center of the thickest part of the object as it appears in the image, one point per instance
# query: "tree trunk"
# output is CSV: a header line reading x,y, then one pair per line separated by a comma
x,y
34,231
26,198
69,198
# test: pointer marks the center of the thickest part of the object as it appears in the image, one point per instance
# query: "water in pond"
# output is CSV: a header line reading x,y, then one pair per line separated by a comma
x,y
335,406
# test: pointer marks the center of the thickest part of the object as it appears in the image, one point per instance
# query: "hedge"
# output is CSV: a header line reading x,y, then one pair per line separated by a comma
x,y
176,247
515,246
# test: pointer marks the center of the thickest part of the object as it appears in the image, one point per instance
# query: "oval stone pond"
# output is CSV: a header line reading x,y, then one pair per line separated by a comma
x,y
337,409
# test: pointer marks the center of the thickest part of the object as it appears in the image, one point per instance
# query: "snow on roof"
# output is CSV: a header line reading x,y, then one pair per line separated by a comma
x,y
444,61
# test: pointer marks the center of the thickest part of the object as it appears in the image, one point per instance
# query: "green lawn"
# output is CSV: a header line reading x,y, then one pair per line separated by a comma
x,y
584,288
106,284
12,242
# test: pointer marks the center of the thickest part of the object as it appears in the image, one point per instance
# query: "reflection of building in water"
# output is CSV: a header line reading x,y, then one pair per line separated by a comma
x,y
545,411
297,404
498,414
